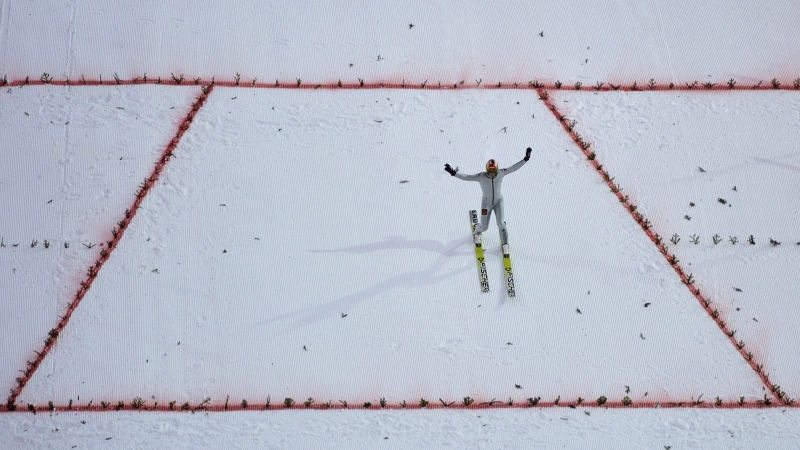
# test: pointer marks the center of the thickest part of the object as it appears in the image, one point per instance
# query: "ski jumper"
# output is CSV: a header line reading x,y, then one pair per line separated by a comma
x,y
492,199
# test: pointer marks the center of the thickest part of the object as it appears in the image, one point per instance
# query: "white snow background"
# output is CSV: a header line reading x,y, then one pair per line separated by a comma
x,y
285,210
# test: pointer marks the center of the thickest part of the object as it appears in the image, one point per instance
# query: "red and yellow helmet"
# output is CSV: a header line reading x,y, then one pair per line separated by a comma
x,y
491,166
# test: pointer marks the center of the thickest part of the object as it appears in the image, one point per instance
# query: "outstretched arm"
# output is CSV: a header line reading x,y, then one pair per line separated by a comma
x,y
454,172
474,177
521,163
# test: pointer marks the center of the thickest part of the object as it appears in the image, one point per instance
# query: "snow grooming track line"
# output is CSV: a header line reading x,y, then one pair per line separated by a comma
x,y
433,405
705,302
117,234
180,80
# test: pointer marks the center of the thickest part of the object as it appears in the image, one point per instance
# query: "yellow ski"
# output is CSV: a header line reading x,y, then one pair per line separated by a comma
x,y
482,273
509,272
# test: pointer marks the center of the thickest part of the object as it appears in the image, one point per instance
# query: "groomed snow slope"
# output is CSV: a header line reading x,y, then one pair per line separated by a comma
x,y
527,428
71,162
746,145
417,40
284,211
397,274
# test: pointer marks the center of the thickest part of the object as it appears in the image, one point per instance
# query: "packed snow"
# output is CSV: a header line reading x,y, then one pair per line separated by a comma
x,y
284,256
308,243
716,170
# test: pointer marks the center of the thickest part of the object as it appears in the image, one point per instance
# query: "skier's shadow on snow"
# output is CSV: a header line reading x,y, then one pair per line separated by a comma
x,y
399,243
424,277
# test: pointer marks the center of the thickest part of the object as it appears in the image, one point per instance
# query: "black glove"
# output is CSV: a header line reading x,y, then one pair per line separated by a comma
x,y
450,169
528,154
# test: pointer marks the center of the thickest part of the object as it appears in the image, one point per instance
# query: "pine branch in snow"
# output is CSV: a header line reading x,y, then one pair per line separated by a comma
x,y
137,402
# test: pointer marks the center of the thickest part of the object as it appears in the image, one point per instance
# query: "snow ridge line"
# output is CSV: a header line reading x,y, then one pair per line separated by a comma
x,y
105,407
651,85
688,280
105,253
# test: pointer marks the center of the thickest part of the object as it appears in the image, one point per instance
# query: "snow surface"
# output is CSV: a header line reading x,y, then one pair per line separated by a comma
x,y
301,217
605,40
746,143
318,181
526,428
67,187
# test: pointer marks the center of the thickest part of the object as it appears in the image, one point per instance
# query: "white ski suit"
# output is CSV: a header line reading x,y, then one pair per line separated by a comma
x,y
492,199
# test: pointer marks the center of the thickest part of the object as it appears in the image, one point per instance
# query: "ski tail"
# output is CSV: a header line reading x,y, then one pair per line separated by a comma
x,y
482,272
510,290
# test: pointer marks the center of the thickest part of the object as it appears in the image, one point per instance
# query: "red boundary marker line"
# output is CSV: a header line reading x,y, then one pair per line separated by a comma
x,y
542,89
117,234
688,280
434,405
651,85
